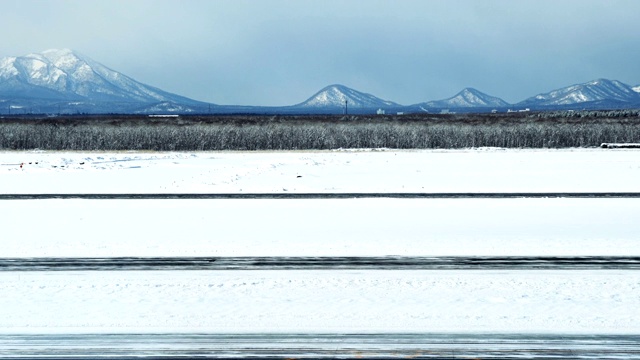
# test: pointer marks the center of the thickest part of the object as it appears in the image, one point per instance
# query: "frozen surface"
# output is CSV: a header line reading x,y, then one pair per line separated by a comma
x,y
333,227
321,301
479,170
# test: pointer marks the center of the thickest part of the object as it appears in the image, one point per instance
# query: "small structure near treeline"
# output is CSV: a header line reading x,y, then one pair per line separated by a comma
x,y
620,146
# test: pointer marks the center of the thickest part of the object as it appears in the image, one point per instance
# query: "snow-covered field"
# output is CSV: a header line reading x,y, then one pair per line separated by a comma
x,y
559,301
484,170
317,301
331,227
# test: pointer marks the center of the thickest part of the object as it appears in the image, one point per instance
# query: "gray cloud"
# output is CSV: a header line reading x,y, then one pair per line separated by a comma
x,y
280,52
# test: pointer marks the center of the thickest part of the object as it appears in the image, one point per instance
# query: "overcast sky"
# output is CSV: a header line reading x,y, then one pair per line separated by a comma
x,y
278,52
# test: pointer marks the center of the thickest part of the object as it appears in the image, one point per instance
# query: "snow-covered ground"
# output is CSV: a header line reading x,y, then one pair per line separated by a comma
x,y
330,227
319,301
483,170
559,301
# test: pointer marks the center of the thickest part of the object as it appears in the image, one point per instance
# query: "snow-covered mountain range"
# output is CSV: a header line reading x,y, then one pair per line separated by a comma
x,y
468,98
67,78
596,92
336,96
65,81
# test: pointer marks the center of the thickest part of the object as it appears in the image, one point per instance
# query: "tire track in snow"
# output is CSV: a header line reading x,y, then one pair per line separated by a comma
x,y
289,196
318,346
322,263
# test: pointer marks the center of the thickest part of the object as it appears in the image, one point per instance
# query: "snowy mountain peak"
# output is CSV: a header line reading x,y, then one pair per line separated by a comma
x,y
68,60
54,55
65,74
467,98
57,52
596,90
336,95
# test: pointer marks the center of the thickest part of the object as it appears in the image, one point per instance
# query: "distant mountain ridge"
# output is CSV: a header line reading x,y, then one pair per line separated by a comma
x,y
596,94
337,96
64,81
468,98
69,78
597,91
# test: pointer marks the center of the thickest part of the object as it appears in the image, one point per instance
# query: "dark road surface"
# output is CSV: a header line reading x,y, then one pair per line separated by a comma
x,y
323,346
321,263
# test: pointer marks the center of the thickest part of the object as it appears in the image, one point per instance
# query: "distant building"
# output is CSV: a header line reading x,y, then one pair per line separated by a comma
x,y
400,113
380,112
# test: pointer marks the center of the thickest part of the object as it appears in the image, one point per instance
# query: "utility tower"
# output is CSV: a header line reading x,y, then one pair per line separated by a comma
x,y
346,106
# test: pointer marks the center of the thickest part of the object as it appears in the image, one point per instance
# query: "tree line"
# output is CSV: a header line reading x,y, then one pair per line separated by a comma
x,y
300,133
